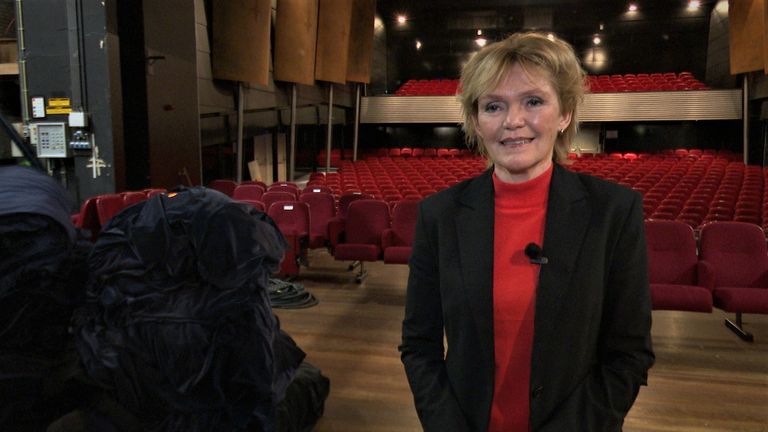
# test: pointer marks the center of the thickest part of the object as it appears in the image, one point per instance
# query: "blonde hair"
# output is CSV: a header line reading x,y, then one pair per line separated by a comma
x,y
534,51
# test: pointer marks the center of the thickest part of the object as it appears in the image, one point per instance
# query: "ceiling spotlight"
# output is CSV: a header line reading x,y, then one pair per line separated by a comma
x,y
479,32
632,7
402,19
602,26
596,40
694,5
418,44
481,41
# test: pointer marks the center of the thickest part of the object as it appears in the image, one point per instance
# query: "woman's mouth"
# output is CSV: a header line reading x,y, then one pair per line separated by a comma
x,y
516,141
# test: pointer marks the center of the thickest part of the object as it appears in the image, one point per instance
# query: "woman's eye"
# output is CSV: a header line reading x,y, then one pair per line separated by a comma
x,y
534,102
492,107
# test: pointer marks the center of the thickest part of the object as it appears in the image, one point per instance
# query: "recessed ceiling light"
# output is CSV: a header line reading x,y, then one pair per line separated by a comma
x,y
479,32
596,40
418,44
632,7
481,41
402,19
694,5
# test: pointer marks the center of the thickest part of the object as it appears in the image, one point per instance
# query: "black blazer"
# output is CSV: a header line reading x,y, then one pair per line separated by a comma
x,y
591,345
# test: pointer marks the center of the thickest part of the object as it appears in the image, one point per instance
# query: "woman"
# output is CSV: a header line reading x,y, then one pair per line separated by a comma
x,y
535,275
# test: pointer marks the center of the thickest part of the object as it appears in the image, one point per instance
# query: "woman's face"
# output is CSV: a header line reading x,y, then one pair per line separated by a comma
x,y
518,123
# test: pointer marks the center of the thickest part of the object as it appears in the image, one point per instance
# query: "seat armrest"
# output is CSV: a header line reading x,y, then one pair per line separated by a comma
x,y
706,275
387,238
336,228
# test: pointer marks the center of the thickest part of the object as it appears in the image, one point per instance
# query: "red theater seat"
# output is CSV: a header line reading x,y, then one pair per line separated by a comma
x,y
735,265
397,240
227,187
361,237
672,268
322,209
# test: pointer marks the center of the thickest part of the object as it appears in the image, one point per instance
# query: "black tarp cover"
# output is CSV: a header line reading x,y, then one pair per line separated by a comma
x,y
42,280
179,325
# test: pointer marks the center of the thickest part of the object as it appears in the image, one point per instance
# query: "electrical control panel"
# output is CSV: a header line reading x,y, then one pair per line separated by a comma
x,y
50,139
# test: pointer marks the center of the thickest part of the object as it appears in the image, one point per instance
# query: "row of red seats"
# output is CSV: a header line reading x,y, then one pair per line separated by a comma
x,y
97,210
337,156
668,81
687,276
363,230
694,190
428,87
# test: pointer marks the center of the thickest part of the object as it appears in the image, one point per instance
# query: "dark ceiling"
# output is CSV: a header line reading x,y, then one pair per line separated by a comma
x,y
661,36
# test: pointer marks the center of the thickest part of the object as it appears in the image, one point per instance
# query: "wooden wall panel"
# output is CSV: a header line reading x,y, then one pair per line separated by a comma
x,y
240,49
361,41
746,22
295,41
333,29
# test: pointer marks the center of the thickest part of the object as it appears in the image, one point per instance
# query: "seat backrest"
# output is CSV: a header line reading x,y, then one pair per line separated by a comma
x,y
282,187
322,208
130,198
108,205
347,198
672,255
227,187
316,188
737,253
248,191
258,205
404,221
270,197
291,217
366,220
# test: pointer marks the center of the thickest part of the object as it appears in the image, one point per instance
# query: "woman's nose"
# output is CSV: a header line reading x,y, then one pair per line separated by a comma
x,y
514,118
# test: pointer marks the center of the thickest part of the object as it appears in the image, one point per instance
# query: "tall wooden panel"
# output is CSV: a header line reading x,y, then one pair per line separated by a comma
x,y
295,41
746,22
240,48
361,41
333,27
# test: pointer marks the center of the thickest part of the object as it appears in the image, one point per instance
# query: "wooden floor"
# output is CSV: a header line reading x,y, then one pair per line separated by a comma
x,y
705,378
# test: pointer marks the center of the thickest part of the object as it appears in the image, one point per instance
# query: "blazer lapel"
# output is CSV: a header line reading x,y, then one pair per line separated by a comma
x,y
567,220
474,228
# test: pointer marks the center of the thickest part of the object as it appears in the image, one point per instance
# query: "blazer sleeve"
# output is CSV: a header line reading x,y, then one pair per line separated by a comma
x,y
422,349
604,398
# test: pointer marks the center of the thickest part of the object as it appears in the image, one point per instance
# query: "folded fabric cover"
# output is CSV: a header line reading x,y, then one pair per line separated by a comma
x,y
178,325
42,280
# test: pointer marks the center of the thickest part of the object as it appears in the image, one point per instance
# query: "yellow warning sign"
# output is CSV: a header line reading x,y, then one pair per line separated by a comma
x,y
59,102
58,110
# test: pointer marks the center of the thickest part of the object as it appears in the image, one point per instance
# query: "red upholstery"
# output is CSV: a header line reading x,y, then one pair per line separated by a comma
x,y
270,197
153,191
672,268
227,187
293,220
284,187
248,191
258,205
322,208
107,206
88,217
131,198
347,198
736,266
397,240
363,227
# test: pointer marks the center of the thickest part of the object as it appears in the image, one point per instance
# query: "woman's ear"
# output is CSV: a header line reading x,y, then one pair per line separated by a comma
x,y
565,120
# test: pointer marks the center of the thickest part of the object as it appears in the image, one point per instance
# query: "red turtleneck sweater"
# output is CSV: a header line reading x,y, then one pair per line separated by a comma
x,y
520,211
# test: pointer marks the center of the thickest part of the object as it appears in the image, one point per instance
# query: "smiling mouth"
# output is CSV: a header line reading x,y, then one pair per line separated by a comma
x,y
516,142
